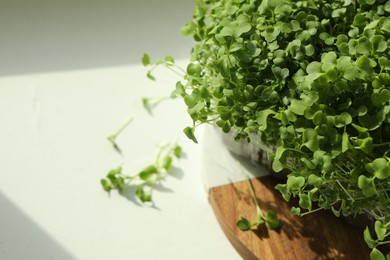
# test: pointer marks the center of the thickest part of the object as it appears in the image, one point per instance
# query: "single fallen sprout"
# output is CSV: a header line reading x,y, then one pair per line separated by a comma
x,y
146,179
270,219
150,103
112,138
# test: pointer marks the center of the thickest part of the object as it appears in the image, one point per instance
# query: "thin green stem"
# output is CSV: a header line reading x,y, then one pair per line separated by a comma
x,y
342,187
311,211
296,150
163,153
383,242
180,68
382,144
252,191
154,67
174,71
123,127
112,138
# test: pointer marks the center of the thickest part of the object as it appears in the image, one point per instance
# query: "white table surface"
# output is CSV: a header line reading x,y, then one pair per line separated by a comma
x,y
70,75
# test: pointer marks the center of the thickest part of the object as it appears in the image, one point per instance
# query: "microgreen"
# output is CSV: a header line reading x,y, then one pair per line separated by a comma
x,y
310,80
150,103
112,138
147,178
270,219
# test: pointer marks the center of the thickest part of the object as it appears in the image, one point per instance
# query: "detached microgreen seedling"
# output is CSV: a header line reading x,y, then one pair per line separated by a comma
x,y
270,219
146,179
150,103
112,138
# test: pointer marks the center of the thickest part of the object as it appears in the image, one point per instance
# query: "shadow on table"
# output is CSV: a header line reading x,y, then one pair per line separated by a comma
x,y
21,238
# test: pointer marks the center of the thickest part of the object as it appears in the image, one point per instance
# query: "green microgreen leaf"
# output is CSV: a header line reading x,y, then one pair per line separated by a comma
x,y
345,144
310,139
113,180
363,46
169,60
367,237
150,76
190,133
273,3
296,211
380,168
179,90
148,172
280,74
367,185
298,107
284,191
343,119
314,67
145,59
167,165
380,230
336,212
272,220
304,201
315,180
244,224
262,118
194,69
106,185
193,99
376,255
189,28
177,151
295,183
279,161
143,194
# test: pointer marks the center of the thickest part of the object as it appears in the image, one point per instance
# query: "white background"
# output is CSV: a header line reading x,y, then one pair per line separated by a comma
x,y
70,75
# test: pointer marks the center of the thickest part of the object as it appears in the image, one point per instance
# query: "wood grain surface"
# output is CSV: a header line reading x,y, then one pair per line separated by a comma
x,y
319,235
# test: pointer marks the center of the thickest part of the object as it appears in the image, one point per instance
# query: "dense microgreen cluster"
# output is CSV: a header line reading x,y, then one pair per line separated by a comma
x,y
309,79
147,178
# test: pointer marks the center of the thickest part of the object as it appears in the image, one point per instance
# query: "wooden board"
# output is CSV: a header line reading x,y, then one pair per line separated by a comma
x,y
319,235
